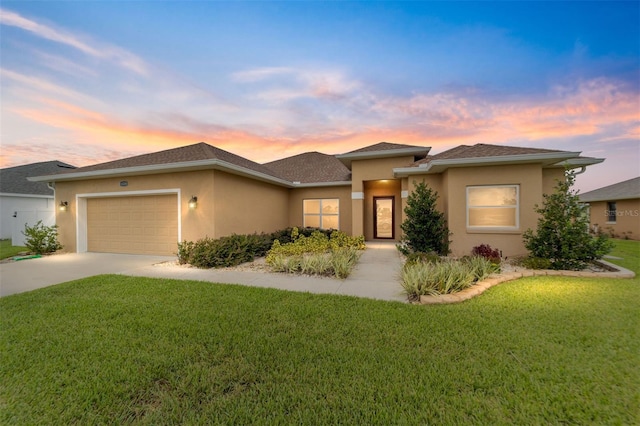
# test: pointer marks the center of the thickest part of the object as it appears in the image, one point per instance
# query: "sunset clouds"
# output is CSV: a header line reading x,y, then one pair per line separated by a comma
x,y
84,96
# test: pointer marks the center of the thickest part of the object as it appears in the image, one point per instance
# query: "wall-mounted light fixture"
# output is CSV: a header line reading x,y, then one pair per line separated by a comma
x,y
63,206
193,202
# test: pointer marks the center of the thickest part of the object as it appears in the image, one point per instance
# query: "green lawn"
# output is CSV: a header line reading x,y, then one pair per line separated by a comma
x,y
7,250
123,350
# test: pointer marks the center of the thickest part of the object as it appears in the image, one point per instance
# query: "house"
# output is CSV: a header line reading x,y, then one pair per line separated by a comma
x,y
146,204
615,209
25,202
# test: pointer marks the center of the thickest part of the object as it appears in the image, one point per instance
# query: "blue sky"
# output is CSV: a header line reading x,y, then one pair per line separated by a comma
x,y
86,82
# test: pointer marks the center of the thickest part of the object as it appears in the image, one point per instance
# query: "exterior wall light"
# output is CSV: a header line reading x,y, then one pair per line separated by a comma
x,y
193,202
63,206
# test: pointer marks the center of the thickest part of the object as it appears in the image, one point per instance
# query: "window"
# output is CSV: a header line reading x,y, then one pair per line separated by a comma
x,y
493,207
611,212
323,214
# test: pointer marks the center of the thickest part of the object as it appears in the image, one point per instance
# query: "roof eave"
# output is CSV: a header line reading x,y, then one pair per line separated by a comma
x,y
388,153
321,184
439,166
164,168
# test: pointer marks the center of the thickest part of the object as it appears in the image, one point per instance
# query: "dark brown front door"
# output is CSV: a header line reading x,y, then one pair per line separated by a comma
x,y
383,217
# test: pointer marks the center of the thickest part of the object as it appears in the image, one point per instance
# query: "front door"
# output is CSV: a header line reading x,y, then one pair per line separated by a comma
x,y
383,217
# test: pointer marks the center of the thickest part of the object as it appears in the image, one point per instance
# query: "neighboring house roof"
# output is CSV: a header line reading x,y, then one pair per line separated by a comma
x,y
311,167
487,155
625,190
13,180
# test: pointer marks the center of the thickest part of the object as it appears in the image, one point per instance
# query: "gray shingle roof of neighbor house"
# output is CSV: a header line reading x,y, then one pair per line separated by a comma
x,y
311,167
13,180
625,190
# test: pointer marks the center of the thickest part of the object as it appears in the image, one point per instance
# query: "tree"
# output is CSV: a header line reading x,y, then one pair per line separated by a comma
x,y
562,235
425,228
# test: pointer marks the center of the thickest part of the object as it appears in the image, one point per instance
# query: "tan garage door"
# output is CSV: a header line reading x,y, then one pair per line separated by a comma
x,y
135,225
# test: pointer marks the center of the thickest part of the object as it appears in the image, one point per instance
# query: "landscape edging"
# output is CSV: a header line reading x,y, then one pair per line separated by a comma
x,y
480,287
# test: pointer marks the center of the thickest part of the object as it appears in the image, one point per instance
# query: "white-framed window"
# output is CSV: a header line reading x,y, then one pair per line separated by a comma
x,y
612,211
493,207
321,213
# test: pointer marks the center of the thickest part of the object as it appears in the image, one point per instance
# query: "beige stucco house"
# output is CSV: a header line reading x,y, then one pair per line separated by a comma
x,y
148,203
615,209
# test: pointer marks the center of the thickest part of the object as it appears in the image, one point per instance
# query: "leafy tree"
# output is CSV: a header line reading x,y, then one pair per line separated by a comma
x,y
425,228
562,235
41,239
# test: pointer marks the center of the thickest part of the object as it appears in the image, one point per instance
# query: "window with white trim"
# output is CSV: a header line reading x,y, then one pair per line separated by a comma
x,y
321,213
493,207
612,211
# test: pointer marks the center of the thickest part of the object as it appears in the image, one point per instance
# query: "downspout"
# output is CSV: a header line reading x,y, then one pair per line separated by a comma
x,y
582,170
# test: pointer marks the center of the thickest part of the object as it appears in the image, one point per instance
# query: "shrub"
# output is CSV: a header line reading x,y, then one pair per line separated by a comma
x,y
316,254
425,229
41,239
562,235
422,257
485,250
428,278
536,263
226,251
482,267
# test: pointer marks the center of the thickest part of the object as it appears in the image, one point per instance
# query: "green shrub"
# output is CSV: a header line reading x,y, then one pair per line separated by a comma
x,y
481,267
316,254
428,278
223,252
562,234
418,257
425,228
41,239
532,262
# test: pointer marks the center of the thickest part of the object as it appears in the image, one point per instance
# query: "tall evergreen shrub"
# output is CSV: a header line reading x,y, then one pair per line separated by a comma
x,y
562,235
425,228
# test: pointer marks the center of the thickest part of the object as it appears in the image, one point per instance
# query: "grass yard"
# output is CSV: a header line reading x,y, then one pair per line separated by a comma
x,y
122,350
7,250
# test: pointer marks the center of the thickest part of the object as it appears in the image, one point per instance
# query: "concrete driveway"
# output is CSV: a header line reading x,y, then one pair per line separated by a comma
x,y
31,274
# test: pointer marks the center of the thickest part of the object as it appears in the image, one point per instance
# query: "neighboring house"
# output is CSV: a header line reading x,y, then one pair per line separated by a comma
x,y
615,209
142,204
24,202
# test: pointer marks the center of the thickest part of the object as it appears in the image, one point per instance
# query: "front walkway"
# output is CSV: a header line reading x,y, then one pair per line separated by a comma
x,y
376,276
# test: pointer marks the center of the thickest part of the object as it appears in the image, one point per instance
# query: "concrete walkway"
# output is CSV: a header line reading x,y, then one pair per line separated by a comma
x,y
376,276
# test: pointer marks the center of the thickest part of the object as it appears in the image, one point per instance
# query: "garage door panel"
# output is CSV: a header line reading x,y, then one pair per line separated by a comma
x,y
136,225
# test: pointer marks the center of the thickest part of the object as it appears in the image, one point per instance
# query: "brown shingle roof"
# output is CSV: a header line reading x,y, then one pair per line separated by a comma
x,y
311,167
483,150
383,146
196,152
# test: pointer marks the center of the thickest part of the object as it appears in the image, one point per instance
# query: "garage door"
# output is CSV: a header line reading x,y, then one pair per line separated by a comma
x,y
135,225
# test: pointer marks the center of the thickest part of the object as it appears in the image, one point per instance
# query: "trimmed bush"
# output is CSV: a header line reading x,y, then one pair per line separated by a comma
x,y
41,239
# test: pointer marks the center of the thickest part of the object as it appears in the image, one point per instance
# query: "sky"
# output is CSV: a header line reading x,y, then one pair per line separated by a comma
x,y
89,82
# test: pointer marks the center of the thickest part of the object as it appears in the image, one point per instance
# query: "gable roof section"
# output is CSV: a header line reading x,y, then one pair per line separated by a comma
x,y
13,180
625,190
488,155
200,156
311,167
383,150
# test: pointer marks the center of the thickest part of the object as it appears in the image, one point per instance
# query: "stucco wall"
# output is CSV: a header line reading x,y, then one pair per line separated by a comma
x,y
343,193
245,206
627,224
